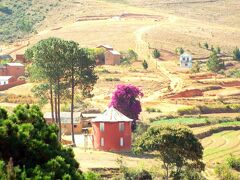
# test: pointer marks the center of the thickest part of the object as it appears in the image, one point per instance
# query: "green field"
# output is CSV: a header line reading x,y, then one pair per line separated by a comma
x,y
184,121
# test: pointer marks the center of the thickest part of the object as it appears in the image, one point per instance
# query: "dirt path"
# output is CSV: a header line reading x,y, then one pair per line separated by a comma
x,y
143,49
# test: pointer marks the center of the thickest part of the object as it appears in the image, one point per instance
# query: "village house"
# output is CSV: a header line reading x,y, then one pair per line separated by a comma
x,y
12,69
111,56
6,57
10,74
4,80
66,121
186,60
112,131
20,58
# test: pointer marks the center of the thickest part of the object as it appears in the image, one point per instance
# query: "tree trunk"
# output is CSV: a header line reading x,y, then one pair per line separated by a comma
x,y
58,109
56,115
51,102
72,109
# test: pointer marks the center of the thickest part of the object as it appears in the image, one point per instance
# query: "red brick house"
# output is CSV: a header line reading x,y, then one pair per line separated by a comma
x,y
12,69
10,74
112,131
66,121
20,58
112,57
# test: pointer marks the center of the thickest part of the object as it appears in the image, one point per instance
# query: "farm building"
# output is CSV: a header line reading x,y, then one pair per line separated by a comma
x,y
4,80
112,57
112,131
186,61
12,69
6,57
20,58
66,121
106,47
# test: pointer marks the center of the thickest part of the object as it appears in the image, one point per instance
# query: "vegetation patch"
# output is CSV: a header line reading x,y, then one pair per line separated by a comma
x,y
211,109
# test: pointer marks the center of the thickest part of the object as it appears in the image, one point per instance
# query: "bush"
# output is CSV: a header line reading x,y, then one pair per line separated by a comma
x,y
225,173
112,79
156,54
189,111
149,109
233,162
232,108
190,174
91,176
236,54
206,45
145,64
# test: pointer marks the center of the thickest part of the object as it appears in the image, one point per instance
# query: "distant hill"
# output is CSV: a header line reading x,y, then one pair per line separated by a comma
x,y
18,18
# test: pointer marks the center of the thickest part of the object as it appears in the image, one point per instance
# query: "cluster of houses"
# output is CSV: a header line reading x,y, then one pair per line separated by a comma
x,y
109,131
11,74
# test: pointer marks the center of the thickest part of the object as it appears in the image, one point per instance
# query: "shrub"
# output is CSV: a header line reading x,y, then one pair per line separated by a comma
x,y
112,79
225,173
149,109
236,54
145,64
156,54
233,162
188,110
91,176
206,45
191,174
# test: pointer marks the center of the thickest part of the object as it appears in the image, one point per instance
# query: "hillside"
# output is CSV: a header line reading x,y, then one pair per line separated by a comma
x,y
21,17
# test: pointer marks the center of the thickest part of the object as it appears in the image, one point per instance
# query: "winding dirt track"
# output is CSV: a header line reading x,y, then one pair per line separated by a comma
x,y
142,48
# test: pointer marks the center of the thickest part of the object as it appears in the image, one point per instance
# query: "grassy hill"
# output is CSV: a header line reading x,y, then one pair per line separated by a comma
x,y
20,17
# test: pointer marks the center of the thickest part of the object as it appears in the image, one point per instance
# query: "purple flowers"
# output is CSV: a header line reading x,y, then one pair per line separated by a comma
x,y
126,100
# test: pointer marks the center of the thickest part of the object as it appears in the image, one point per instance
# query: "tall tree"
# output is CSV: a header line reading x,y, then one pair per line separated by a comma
x,y
177,147
48,57
126,100
80,73
214,64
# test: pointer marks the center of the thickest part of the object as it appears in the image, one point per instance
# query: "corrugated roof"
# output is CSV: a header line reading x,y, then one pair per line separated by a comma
x,y
105,46
115,52
65,116
15,64
112,115
5,56
4,78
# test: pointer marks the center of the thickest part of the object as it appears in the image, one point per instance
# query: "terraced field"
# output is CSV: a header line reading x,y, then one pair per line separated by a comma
x,y
220,145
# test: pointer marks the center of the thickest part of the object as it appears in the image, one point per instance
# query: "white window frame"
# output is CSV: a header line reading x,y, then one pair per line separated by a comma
x,y
121,126
102,126
102,141
121,141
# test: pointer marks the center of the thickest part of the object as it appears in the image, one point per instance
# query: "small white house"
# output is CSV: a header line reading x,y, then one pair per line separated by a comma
x,y
186,61
4,79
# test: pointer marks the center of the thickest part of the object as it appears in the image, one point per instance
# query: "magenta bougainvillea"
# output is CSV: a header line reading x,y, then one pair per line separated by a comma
x,y
126,100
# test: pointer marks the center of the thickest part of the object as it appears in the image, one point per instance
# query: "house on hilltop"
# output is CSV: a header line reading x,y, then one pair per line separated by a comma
x,y
186,60
112,131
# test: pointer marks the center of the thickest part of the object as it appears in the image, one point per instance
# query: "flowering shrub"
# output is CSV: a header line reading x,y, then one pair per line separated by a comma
x,y
126,100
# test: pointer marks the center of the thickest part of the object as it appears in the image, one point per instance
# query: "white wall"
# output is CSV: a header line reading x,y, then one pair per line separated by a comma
x,y
2,82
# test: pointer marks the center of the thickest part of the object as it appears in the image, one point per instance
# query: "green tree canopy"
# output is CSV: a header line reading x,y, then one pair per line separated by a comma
x,y
29,147
156,53
236,54
176,146
214,64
